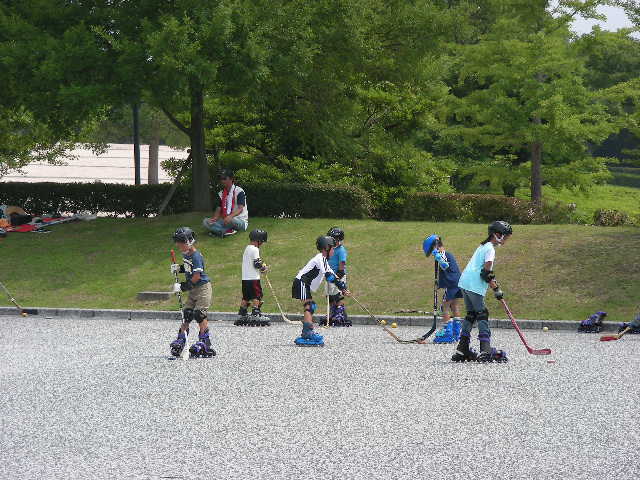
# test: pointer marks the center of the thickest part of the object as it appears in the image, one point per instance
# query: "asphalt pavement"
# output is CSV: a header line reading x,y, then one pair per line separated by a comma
x,y
98,398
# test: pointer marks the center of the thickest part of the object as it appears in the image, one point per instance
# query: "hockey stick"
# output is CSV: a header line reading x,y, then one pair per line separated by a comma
x,y
23,311
532,351
411,311
327,324
424,337
185,351
609,338
393,335
273,292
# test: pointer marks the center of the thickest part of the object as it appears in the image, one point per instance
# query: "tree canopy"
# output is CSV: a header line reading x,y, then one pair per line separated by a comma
x,y
387,95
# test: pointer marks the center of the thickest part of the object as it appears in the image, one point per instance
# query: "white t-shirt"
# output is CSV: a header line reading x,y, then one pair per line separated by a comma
x,y
249,271
236,197
313,272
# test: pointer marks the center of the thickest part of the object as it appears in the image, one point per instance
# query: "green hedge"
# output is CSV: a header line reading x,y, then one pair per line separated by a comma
x,y
444,207
298,200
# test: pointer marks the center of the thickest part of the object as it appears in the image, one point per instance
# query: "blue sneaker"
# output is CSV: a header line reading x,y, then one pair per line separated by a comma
x,y
313,340
445,334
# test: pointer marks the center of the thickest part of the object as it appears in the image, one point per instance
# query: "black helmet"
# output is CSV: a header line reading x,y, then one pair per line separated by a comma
x,y
500,227
258,236
324,242
336,233
184,235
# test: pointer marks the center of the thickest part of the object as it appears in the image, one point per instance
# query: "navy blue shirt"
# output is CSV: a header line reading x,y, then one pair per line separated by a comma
x,y
449,278
194,263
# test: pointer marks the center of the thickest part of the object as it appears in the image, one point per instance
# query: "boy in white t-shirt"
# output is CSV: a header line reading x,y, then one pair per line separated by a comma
x,y
252,267
474,281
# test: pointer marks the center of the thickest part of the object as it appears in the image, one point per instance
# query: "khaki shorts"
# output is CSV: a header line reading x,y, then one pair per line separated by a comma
x,y
200,298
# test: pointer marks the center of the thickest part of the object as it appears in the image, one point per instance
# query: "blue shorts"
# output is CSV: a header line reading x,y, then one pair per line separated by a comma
x,y
452,293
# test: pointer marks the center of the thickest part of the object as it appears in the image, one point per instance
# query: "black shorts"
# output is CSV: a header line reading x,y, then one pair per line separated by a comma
x,y
251,290
300,290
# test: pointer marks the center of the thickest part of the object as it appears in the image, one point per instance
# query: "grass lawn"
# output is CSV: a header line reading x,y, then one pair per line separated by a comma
x,y
546,271
613,197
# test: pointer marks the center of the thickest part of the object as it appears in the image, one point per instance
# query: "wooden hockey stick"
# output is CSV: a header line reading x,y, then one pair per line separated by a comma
x,y
184,354
379,322
327,324
23,311
284,317
609,338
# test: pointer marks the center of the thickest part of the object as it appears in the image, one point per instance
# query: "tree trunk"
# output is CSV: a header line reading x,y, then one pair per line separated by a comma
x,y
201,200
154,147
536,173
135,108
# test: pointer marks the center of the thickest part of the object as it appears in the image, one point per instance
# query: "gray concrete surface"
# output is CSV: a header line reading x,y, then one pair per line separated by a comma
x,y
86,399
408,320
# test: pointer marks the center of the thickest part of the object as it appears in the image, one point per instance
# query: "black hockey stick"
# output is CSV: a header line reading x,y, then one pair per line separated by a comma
x,y
185,351
424,337
23,311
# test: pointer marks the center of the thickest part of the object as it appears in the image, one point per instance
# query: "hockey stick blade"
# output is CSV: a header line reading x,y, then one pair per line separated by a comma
x,y
613,338
532,351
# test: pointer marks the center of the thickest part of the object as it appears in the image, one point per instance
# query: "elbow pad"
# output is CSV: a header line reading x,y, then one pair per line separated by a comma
x,y
341,285
487,275
340,273
258,264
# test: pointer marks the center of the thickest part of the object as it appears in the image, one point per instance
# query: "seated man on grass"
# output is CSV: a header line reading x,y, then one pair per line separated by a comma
x,y
231,215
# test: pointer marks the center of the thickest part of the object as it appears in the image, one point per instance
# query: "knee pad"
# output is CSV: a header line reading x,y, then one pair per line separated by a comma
x,y
310,306
483,315
471,316
188,314
199,316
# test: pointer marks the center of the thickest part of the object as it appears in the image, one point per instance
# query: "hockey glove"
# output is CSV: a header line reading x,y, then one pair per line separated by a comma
x,y
185,286
340,273
265,269
440,259
498,293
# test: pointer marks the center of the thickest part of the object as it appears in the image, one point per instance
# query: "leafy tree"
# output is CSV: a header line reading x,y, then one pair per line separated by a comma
x,y
520,88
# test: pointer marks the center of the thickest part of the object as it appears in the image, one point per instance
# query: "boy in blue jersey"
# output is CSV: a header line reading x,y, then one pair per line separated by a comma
x,y
474,281
198,285
448,277
338,263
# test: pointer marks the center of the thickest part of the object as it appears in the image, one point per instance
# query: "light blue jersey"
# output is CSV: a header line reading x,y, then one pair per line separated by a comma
x,y
339,255
470,279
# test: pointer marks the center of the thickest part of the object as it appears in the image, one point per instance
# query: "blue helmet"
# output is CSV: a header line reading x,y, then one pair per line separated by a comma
x,y
430,243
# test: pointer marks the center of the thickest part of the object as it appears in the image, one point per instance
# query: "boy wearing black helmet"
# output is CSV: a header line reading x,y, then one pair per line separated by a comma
x,y
198,285
338,263
252,267
474,281
308,280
